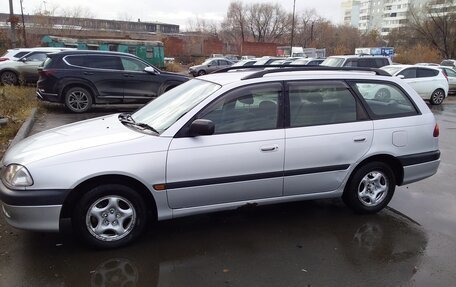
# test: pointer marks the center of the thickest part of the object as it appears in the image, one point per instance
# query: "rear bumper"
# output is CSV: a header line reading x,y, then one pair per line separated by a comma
x,y
48,97
420,166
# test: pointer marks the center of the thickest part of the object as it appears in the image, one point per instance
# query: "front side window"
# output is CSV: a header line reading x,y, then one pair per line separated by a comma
x,y
408,73
251,108
385,100
133,65
320,103
37,57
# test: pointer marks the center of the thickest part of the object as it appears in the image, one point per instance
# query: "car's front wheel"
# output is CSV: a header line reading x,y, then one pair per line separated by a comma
x,y
109,216
437,97
78,100
9,78
370,188
201,73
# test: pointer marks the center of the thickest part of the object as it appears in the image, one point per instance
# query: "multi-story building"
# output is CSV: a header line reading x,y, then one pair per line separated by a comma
x,y
350,10
385,15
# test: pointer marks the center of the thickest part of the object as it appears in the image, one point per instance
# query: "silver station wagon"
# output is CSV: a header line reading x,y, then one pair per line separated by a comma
x,y
220,142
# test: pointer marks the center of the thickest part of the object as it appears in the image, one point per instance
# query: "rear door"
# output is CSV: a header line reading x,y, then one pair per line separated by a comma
x,y
31,62
105,72
242,161
328,133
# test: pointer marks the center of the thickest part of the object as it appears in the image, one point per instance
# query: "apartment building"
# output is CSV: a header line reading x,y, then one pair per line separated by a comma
x,y
350,10
385,15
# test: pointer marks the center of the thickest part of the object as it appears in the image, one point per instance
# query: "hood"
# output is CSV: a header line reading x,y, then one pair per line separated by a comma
x,y
73,137
175,76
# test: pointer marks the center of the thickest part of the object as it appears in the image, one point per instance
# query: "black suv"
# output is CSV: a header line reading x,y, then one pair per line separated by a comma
x,y
81,78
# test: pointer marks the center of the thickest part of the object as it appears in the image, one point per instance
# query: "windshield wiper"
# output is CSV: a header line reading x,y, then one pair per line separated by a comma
x,y
128,119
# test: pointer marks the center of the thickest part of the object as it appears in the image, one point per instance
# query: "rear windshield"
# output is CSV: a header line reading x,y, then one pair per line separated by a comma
x,y
333,62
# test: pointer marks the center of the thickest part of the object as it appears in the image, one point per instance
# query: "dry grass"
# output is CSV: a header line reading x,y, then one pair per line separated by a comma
x,y
16,104
176,68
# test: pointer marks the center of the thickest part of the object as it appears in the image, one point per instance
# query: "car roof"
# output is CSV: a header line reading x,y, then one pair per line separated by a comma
x,y
357,56
92,52
282,74
413,66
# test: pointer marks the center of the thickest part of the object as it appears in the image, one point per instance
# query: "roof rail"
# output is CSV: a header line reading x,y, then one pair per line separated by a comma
x,y
296,68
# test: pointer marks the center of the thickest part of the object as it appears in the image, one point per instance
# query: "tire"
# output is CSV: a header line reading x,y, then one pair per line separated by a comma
x,y
370,188
202,73
383,95
437,97
109,216
9,78
78,100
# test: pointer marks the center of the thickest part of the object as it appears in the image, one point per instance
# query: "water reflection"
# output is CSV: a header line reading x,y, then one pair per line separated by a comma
x,y
311,243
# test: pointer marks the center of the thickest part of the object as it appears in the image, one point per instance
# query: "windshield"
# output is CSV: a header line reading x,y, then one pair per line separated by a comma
x,y
391,70
164,111
333,62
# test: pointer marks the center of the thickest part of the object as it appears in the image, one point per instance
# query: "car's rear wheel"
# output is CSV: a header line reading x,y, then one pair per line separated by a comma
x,y
437,97
370,188
201,73
9,78
109,216
78,100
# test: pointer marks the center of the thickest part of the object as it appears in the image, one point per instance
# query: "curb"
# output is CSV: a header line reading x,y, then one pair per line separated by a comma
x,y
25,129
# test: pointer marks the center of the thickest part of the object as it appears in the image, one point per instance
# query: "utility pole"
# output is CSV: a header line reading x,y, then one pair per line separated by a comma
x,y
23,25
292,28
13,29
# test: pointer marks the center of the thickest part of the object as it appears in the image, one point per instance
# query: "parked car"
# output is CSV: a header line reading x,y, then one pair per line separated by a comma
x,y
17,53
451,76
79,79
25,68
449,62
427,64
209,66
220,142
429,82
246,62
357,61
266,61
307,61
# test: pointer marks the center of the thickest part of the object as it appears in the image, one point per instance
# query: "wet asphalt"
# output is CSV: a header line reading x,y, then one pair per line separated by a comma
x,y
312,243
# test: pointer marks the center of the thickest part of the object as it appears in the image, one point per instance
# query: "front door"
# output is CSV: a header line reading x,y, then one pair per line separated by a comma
x,y
241,161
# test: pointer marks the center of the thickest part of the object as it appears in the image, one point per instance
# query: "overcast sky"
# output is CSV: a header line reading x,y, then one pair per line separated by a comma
x,y
170,11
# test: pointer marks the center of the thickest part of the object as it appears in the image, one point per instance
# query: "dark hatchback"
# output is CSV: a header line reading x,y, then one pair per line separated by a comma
x,y
79,79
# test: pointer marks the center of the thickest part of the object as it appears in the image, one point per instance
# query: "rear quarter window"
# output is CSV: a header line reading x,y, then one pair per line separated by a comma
x,y
426,73
385,100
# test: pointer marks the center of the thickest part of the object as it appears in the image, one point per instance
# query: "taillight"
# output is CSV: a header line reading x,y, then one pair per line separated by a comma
x,y
436,131
445,74
46,73
3,59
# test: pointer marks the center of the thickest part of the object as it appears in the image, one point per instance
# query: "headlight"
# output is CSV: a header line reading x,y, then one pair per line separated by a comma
x,y
15,175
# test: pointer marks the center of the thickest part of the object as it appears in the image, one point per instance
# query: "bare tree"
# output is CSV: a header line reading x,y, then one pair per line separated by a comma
x,y
435,23
202,25
268,22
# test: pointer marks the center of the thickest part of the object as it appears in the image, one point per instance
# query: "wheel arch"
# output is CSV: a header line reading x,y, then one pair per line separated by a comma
x,y
391,161
76,194
67,84
18,75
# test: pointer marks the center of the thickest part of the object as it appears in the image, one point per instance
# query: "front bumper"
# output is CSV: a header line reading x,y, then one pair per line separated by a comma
x,y
37,210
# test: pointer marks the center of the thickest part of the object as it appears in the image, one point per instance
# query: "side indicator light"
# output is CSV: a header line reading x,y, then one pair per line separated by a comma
x,y
159,187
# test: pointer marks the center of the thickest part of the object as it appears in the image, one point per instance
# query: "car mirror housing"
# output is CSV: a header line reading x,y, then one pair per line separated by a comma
x,y
401,76
151,70
202,127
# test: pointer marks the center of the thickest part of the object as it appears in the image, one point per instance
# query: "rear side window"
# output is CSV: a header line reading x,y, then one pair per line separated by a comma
x,y
385,100
320,103
425,73
20,54
450,73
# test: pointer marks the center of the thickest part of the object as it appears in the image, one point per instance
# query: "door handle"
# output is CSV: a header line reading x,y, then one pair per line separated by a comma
x,y
358,140
88,73
269,148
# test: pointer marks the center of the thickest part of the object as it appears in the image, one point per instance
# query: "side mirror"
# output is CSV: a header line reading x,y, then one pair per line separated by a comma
x,y
401,76
151,70
202,127
23,59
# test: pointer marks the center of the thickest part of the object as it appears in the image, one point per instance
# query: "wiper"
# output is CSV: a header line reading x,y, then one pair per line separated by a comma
x,y
128,119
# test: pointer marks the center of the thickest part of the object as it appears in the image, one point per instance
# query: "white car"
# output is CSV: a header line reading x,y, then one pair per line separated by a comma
x,y
220,142
428,81
17,53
